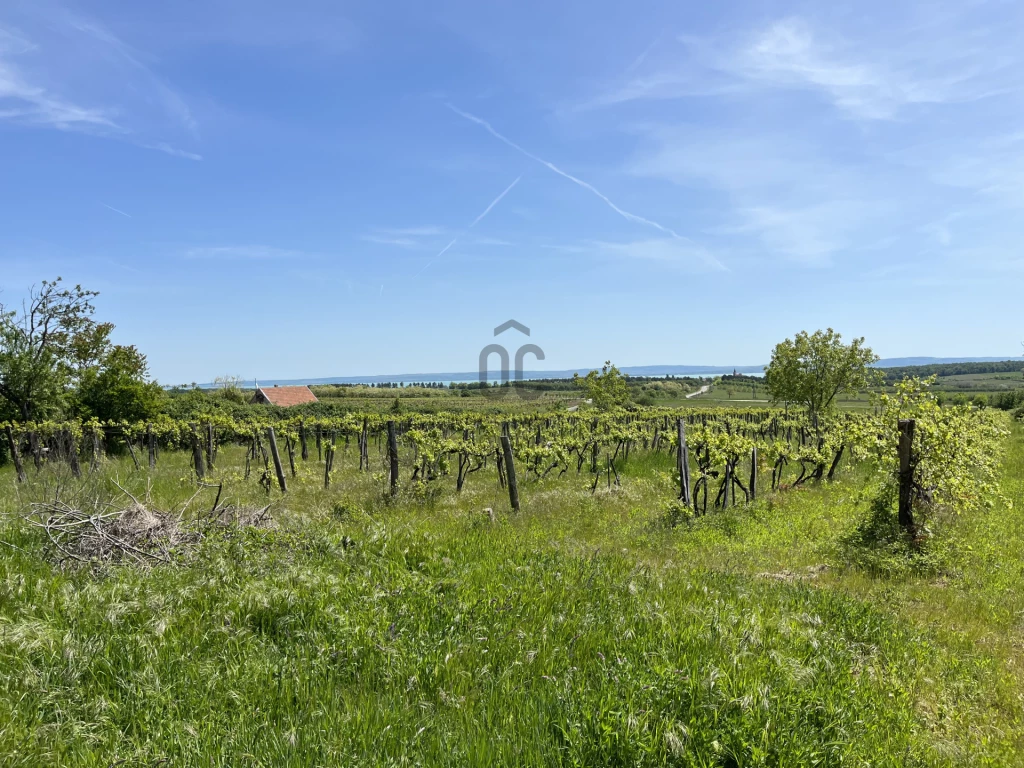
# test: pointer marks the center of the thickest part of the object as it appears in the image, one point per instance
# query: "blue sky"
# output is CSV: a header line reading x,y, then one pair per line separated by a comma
x,y
320,188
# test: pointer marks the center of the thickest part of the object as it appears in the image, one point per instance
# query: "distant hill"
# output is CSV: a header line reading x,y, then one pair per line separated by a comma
x,y
632,370
903,362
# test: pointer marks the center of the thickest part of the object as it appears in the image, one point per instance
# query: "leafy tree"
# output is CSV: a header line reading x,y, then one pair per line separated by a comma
x,y
230,388
46,346
118,389
814,369
607,389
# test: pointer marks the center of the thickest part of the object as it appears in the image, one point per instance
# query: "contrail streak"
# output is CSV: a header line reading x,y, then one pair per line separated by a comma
x,y
115,210
494,202
476,221
589,187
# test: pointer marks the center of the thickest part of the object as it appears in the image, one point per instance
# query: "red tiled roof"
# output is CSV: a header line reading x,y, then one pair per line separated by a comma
x,y
286,396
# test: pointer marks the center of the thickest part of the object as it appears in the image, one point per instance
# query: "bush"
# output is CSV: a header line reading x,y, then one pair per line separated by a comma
x,y
1008,401
676,512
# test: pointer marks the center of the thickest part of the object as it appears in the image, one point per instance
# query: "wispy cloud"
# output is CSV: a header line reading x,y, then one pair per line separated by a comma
x,y
162,146
809,235
665,250
24,101
260,252
63,71
421,237
788,54
863,77
429,231
400,242
579,182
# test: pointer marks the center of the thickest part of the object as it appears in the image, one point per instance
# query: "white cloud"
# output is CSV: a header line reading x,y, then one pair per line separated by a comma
x,y
666,250
23,101
808,235
260,252
401,242
62,71
868,77
789,55
417,231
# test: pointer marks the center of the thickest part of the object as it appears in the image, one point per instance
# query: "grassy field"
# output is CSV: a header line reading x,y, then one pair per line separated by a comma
x,y
356,630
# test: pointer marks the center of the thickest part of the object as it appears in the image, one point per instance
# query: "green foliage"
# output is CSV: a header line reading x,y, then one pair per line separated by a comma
x,y
880,546
45,347
814,369
677,513
117,389
230,388
956,450
941,370
607,390
1008,401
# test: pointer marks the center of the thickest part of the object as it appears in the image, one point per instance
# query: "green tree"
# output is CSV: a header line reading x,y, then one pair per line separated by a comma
x,y
814,369
230,388
607,389
118,388
45,347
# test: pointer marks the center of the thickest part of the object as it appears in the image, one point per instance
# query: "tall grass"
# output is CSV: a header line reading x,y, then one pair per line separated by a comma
x,y
581,632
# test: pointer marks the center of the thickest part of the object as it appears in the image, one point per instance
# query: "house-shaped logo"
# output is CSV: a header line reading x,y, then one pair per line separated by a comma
x,y
503,356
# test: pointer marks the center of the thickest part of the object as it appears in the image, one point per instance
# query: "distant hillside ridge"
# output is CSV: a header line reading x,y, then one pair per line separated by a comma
x,y
923,366
895,373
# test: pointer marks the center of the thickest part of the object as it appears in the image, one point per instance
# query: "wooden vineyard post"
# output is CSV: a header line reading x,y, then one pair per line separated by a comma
x,y
197,454
835,463
683,463
906,512
97,449
291,452
510,471
72,444
15,456
151,445
392,456
37,454
211,444
328,463
753,473
499,464
131,449
302,441
277,460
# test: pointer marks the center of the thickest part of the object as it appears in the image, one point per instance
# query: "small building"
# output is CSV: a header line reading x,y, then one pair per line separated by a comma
x,y
283,396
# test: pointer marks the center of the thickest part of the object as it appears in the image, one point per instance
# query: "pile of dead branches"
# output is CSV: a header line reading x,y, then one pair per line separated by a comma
x,y
126,529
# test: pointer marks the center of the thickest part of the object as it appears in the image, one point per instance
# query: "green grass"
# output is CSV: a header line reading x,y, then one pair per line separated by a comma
x,y
583,631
